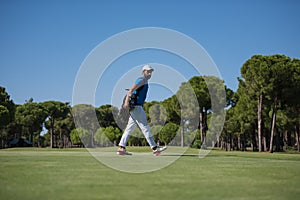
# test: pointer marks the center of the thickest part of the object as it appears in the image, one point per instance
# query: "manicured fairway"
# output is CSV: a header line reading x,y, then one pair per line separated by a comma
x,y
75,174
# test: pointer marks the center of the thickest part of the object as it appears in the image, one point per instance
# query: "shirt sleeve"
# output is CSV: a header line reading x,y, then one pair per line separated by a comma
x,y
139,81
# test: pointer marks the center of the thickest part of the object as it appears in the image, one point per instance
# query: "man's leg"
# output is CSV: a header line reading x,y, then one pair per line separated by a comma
x,y
139,115
129,128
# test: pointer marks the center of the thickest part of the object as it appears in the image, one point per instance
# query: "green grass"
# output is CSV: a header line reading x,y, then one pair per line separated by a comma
x,y
74,174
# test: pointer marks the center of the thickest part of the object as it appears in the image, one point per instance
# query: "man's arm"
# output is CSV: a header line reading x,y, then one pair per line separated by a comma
x,y
133,87
129,93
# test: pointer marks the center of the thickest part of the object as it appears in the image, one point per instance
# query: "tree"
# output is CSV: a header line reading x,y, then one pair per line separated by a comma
x,y
7,111
171,105
272,82
4,116
31,117
155,132
281,81
200,88
244,113
6,102
107,136
157,114
292,99
79,136
85,117
187,107
256,73
106,115
55,111
211,96
168,132
64,126
101,139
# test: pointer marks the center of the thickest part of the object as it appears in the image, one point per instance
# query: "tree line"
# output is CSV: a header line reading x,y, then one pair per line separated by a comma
x,y
262,115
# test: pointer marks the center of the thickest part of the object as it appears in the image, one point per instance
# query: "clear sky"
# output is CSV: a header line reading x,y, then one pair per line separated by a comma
x,y
44,42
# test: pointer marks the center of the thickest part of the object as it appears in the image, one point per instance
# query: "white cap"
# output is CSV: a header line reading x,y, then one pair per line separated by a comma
x,y
148,68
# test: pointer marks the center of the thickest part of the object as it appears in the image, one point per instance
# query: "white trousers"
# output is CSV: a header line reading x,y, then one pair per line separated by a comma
x,y
137,117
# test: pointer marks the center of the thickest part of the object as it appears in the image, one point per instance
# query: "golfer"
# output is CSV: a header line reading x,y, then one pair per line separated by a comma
x,y
137,115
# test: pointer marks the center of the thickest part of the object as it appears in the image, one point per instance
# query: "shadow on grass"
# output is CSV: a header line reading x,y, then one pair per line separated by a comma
x,y
179,155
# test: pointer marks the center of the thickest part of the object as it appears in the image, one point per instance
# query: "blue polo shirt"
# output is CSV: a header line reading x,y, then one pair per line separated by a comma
x,y
141,92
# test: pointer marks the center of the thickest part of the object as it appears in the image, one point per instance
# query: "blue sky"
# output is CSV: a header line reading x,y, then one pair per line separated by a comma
x,y
43,43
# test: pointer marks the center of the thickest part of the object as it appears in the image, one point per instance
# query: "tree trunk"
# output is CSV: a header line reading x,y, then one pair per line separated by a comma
x,y
273,125
297,136
278,141
31,137
182,134
2,141
61,139
285,140
264,140
51,133
259,109
239,145
218,142
244,142
264,143
230,142
289,138
201,127
254,141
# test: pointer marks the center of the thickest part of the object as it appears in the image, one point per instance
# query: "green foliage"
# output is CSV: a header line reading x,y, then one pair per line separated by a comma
x,y
31,117
55,111
106,115
7,111
79,136
155,131
197,144
201,91
101,139
7,108
107,136
168,132
4,116
270,81
187,105
85,117
171,106
216,94
157,114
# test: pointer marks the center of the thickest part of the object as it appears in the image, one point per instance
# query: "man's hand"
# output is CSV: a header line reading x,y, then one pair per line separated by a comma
x,y
126,103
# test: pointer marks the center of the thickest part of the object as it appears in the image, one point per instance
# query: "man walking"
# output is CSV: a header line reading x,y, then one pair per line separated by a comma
x,y
134,101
